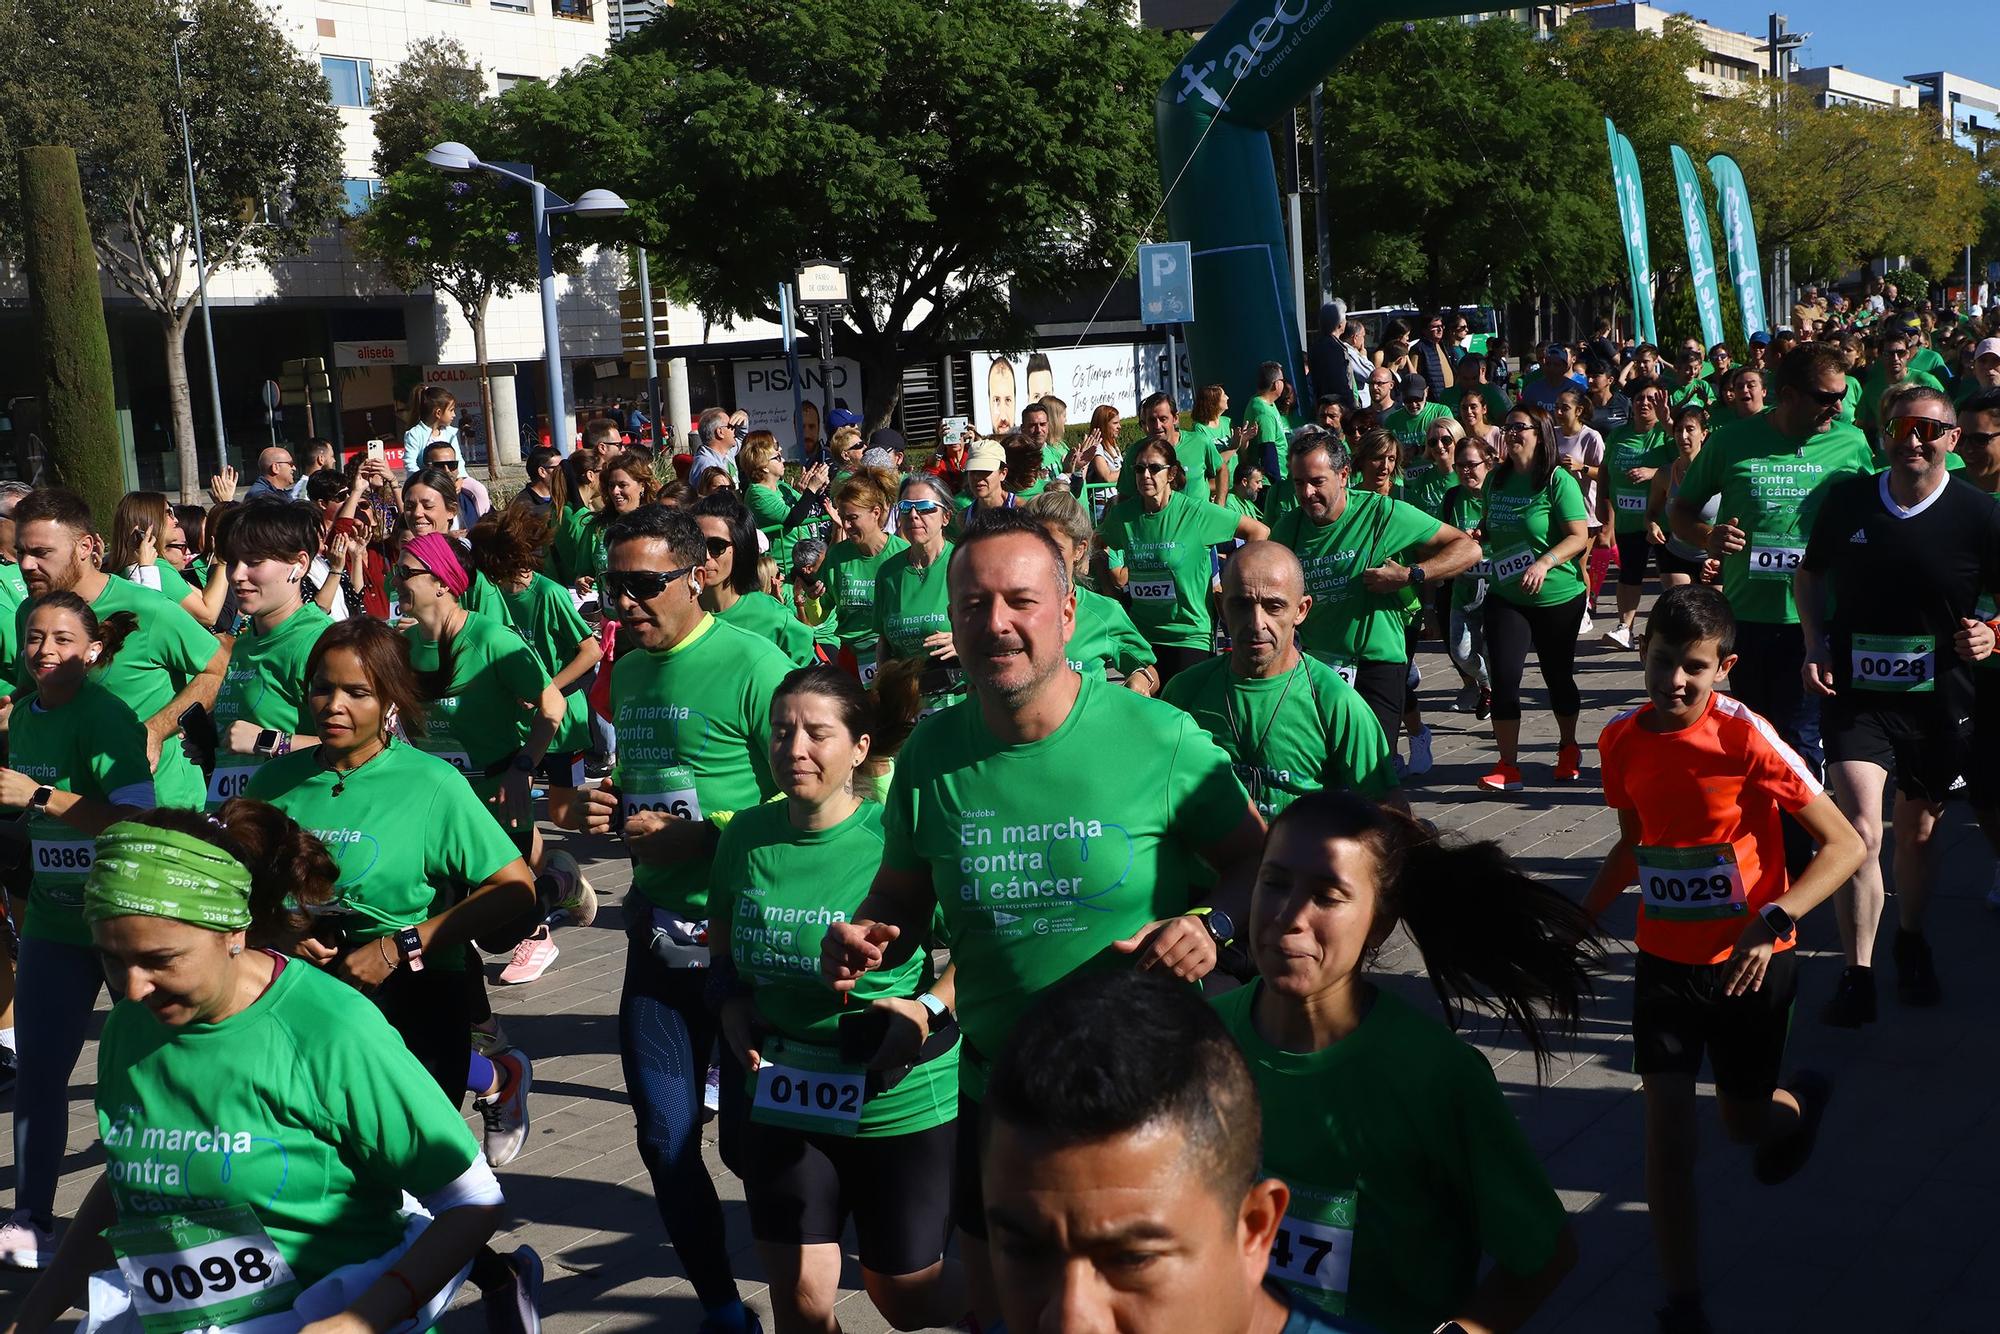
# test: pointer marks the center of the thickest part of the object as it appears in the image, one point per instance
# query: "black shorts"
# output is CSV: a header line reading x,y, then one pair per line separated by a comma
x,y
1982,767
561,768
968,1193
1385,688
802,1187
1673,563
1913,742
1679,1011
1633,549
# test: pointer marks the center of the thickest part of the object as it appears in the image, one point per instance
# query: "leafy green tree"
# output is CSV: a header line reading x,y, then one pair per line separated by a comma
x,y
1465,168
945,153
99,77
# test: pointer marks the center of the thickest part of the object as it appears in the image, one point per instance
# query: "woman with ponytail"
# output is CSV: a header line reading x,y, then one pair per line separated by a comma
x,y
1407,1170
854,1106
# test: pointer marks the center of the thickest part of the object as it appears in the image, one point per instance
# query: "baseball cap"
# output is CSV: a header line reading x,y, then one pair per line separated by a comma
x,y
886,437
840,417
1555,351
1412,385
1760,339
1988,347
986,456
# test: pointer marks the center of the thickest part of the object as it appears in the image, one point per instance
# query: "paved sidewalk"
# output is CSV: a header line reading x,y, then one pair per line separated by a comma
x,y
1894,1226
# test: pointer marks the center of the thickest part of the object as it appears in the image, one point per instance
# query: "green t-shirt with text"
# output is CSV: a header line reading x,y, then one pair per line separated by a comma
x,y
770,505
760,614
850,574
779,888
1525,522
1630,447
911,602
488,708
1105,636
1167,557
265,683
1410,428
1348,625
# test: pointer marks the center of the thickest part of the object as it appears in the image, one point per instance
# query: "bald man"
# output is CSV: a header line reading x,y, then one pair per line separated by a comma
x,y
1288,722
275,474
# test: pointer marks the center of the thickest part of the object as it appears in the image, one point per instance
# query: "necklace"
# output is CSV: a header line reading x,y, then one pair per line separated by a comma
x,y
1253,759
340,783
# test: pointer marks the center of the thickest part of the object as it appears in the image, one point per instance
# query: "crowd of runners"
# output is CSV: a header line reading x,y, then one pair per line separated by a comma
x,y
1013,826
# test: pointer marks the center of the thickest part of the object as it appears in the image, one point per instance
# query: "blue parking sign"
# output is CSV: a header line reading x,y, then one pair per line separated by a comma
x,y
1166,283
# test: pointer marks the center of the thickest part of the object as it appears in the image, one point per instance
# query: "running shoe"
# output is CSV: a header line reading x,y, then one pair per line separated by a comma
x,y
1569,763
1916,976
1619,636
579,897
1420,754
514,1307
1853,1002
1780,1160
1467,700
1683,1315
24,1244
739,1319
1504,778
489,1039
1585,626
1485,709
506,1112
532,958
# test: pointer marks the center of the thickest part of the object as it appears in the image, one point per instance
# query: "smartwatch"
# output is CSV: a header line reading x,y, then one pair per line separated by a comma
x,y
940,1012
40,801
524,763
1416,575
1220,926
267,741
411,946
1781,923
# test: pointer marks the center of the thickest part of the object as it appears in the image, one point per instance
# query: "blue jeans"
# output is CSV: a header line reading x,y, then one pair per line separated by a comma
x,y
55,990
1766,677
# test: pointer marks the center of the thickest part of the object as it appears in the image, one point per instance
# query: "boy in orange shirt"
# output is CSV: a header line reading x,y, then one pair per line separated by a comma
x,y
1698,782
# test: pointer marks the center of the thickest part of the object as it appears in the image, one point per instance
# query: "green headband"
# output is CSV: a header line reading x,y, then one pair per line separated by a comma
x,y
145,871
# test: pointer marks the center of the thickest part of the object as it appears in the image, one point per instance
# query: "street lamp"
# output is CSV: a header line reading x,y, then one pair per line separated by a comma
x,y
453,156
181,29
822,287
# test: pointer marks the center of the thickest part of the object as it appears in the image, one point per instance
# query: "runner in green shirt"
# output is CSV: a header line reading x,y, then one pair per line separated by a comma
x,y
729,580
863,502
853,1107
999,817
78,763
1406,1169
1208,447
1410,420
1267,424
1287,721
1163,537
165,664
1895,363
261,709
911,612
1104,640
771,498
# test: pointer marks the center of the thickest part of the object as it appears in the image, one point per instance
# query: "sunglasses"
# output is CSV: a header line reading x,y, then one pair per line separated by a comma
x,y
1150,468
643,585
1926,429
1978,439
405,573
718,547
449,465
1826,398
1517,428
917,507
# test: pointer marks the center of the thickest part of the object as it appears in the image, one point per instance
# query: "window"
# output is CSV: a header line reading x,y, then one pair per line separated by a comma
x,y
514,6
570,9
503,82
361,191
352,81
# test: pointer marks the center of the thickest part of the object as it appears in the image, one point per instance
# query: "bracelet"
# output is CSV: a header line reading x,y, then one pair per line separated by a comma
x,y
284,746
392,959
416,1302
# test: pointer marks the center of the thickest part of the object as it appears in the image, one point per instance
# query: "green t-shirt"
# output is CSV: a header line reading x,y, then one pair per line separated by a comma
x,y
1270,424
769,505
694,740
1425,484
1348,625
578,549
167,650
911,602
94,746
1770,486
1200,452
1410,428
1698,392
760,614
1525,520
1404,1161
850,581
483,597
304,1106
1167,556
265,684
545,616
779,889
1853,396
1236,504
13,587
1630,447
1465,510
1288,735
1105,636
1498,401
489,707
404,831
1868,411
1038,862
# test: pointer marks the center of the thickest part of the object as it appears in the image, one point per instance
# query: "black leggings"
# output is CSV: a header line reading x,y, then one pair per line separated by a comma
x,y
1510,629
1171,661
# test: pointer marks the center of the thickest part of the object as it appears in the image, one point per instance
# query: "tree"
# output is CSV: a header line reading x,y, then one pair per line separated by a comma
x,y
943,152
469,237
100,78
1463,170
72,347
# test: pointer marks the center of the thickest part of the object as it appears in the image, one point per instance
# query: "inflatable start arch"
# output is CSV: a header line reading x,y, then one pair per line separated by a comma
x,y
1212,120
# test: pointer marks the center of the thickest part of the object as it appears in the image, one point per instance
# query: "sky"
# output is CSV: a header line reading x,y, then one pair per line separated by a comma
x,y
1962,37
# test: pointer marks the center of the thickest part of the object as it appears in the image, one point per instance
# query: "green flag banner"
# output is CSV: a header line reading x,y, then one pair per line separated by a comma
x,y
1632,217
1701,251
1739,234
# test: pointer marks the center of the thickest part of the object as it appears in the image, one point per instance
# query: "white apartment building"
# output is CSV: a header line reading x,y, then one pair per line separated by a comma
x,y
1837,85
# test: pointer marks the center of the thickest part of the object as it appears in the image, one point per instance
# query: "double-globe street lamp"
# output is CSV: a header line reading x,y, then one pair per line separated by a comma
x,y
454,156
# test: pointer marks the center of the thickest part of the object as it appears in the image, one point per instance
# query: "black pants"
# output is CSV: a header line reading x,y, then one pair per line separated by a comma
x,y
1173,661
1384,688
1510,629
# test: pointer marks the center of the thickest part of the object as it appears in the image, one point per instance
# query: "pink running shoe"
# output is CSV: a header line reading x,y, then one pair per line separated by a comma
x,y
532,958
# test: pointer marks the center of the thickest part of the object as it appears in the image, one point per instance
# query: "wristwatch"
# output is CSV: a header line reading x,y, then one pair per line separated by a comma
x,y
411,946
267,741
40,801
1416,575
524,763
1220,926
939,1011
1781,923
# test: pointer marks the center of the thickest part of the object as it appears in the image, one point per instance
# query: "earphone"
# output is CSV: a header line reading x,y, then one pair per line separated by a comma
x,y
90,656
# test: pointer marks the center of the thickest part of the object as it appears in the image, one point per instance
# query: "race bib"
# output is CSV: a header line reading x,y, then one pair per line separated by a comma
x,y
457,759
218,1267
1775,558
1313,1253
1904,664
1691,884
64,858
1512,563
868,670
1151,590
224,784
1632,503
1481,569
681,803
803,1090
1346,671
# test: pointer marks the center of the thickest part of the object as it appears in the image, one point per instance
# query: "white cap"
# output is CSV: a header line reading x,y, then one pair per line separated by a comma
x,y
1988,347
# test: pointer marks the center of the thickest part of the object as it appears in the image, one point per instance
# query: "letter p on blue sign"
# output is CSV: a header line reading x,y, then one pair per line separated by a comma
x,y
1166,283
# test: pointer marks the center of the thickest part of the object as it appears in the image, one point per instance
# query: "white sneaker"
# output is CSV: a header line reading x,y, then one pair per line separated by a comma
x,y
1467,700
23,1245
1619,636
506,1112
1420,754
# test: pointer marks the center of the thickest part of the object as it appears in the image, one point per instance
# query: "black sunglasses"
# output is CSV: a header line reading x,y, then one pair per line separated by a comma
x,y
718,546
1826,398
641,585
1150,468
